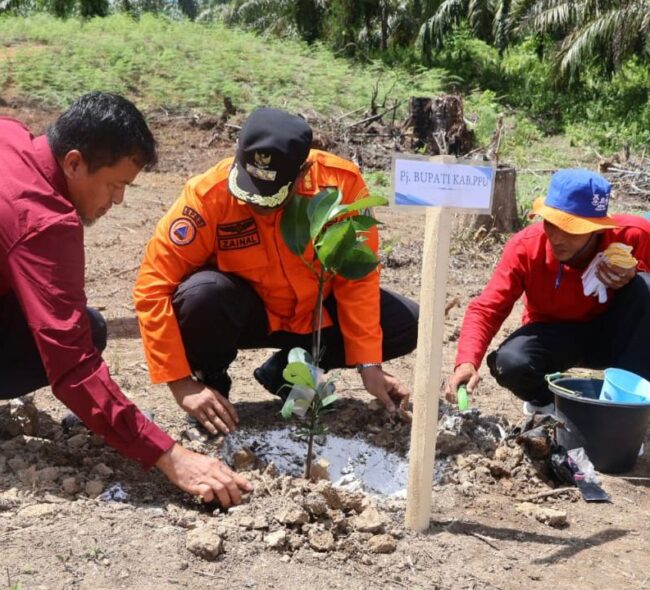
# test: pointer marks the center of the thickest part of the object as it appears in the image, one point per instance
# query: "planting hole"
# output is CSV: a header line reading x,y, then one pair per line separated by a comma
x,y
354,464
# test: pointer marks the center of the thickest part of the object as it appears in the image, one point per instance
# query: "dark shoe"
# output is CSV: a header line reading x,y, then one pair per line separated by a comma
x,y
219,380
269,375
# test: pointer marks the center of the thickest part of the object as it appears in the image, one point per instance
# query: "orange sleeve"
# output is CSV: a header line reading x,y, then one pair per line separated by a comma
x,y
183,241
359,309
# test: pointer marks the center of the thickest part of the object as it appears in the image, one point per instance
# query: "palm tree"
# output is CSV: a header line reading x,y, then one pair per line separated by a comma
x,y
609,31
489,20
273,16
278,17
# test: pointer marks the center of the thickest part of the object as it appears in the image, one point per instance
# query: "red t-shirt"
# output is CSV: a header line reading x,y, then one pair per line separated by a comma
x,y
552,291
42,263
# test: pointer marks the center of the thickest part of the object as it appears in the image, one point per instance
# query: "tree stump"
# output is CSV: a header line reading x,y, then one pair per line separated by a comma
x,y
419,114
505,216
439,125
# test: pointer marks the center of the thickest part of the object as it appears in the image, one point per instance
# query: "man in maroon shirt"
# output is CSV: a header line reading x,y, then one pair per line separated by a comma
x,y
50,187
563,327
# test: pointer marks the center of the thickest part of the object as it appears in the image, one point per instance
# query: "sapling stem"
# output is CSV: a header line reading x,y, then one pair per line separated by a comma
x,y
310,442
317,324
317,321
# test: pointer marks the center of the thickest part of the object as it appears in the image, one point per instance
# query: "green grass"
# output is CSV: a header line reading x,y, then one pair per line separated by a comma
x,y
180,65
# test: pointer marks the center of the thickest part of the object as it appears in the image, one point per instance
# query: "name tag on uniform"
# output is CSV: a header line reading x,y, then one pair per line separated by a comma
x,y
237,235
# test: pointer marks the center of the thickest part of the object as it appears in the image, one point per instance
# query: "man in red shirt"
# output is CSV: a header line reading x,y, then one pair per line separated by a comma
x,y
51,186
563,326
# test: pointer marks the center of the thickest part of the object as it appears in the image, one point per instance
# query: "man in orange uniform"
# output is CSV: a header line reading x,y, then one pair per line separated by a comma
x,y
217,278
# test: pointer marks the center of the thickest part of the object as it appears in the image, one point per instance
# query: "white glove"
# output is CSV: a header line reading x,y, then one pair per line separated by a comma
x,y
591,284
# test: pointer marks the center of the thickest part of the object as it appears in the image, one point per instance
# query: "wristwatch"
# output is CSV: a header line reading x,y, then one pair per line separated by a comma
x,y
362,366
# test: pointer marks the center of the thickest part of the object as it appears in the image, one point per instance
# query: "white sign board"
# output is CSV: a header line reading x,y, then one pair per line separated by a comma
x,y
419,182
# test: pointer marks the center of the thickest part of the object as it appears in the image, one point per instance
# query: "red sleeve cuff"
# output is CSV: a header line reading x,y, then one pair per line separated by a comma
x,y
475,360
149,446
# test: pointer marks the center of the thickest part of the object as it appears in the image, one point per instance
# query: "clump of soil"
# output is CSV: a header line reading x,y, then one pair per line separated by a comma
x,y
292,515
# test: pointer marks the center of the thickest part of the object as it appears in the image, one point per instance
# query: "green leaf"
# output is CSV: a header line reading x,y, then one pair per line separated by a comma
x,y
287,409
300,355
363,223
358,262
299,374
336,241
295,224
319,209
365,203
330,399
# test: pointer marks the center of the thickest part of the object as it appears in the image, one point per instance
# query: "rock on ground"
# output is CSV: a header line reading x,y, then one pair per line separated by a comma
x,y
277,539
205,543
321,540
549,516
382,544
369,521
292,516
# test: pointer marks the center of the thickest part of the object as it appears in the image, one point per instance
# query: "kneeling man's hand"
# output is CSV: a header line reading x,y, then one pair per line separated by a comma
x,y
464,374
207,405
386,388
614,277
203,476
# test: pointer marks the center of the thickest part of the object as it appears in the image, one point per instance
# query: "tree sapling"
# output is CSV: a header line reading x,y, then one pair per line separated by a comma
x,y
337,233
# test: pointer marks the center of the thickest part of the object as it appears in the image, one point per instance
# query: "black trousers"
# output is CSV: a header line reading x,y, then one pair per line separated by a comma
x,y
219,314
619,337
21,368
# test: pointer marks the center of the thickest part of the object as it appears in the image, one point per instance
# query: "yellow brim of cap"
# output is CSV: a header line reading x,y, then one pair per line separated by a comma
x,y
262,201
571,224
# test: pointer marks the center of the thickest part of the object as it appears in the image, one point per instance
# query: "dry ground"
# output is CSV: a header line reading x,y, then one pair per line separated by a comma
x,y
52,537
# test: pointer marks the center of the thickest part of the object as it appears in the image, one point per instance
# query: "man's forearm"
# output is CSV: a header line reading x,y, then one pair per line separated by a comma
x,y
103,408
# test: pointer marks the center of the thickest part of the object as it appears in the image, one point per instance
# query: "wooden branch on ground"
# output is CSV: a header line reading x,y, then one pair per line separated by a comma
x,y
630,172
374,117
343,116
548,494
485,539
538,170
639,190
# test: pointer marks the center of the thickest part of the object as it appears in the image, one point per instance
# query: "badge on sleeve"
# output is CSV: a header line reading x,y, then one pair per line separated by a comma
x,y
182,231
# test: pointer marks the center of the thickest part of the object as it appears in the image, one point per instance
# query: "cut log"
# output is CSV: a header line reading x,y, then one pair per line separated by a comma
x,y
419,118
505,217
439,125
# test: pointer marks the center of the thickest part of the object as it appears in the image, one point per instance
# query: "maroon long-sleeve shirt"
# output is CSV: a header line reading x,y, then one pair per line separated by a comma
x,y
552,291
42,263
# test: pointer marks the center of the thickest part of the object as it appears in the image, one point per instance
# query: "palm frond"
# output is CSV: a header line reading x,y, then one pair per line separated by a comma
x,y
502,25
520,8
615,31
480,14
545,16
448,14
556,16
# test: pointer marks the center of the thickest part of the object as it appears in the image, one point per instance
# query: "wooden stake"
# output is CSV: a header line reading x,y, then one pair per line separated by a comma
x,y
428,367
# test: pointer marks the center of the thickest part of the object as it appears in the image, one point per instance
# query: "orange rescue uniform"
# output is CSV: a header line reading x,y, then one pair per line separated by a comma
x,y
207,225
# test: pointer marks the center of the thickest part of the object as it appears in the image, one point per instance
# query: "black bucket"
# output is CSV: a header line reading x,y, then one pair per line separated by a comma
x,y
611,433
